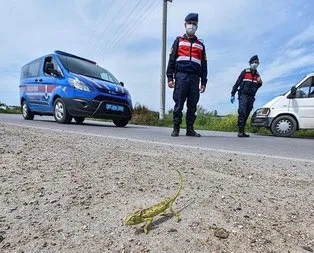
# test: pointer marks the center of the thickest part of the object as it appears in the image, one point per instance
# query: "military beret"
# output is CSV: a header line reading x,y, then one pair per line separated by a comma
x,y
254,58
192,17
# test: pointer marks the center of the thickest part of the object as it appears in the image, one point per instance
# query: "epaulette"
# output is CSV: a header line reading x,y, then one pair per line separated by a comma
x,y
201,40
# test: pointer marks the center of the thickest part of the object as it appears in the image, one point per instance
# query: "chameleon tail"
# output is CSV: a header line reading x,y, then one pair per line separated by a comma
x,y
180,187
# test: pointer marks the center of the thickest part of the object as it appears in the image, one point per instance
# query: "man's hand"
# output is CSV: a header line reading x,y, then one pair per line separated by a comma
x,y
171,84
203,88
232,99
259,80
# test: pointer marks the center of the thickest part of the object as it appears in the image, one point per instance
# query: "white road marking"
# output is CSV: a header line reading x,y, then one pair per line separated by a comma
x,y
166,144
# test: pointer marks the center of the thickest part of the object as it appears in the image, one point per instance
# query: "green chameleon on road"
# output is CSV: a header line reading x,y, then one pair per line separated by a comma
x,y
147,214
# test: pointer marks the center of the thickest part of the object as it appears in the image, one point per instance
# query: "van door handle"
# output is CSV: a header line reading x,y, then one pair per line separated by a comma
x,y
36,80
40,80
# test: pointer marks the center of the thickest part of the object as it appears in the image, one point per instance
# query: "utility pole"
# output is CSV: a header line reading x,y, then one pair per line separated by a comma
x,y
163,61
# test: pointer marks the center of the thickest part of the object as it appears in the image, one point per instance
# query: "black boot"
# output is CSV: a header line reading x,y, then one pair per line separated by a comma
x,y
190,132
176,130
241,132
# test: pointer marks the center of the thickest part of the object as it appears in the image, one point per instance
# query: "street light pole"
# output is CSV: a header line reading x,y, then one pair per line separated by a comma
x,y
163,61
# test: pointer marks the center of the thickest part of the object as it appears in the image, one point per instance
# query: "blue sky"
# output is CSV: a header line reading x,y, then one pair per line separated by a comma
x,y
124,36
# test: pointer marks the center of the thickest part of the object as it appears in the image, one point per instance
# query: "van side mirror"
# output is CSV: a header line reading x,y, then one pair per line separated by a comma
x,y
50,69
122,84
293,92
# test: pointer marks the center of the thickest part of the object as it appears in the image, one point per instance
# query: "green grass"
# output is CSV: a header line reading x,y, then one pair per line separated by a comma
x,y
11,110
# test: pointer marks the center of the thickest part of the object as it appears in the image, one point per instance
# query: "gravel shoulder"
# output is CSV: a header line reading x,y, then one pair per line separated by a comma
x,y
63,192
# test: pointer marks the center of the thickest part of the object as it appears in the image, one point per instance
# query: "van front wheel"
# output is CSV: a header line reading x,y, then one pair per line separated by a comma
x,y
26,112
61,113
283,126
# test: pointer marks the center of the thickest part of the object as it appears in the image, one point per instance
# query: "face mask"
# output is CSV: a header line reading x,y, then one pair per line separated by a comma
x,y
191,29
254,66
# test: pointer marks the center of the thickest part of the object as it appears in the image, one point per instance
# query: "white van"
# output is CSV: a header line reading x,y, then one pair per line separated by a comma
x,y
289,112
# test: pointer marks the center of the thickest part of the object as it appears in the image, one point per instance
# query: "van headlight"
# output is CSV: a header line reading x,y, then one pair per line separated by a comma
x,y
79,85
262,112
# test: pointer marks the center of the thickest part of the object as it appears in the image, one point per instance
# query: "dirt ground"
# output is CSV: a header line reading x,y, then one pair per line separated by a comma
x,y
63,192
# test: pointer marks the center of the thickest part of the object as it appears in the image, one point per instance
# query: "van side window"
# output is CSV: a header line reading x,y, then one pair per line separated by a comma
x,y
304,90
33,70
24,72
311,95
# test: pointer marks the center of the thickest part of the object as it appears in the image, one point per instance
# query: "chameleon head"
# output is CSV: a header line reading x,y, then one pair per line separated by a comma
x,y
134,218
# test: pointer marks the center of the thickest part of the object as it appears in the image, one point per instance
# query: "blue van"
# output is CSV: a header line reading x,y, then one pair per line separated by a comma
x,y
68,86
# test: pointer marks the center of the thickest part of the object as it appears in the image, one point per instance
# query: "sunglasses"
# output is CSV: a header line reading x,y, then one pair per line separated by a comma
x,y
255,62
192,23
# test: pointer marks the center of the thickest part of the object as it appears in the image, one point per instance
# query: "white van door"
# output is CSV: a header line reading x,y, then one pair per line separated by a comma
x,y
303,103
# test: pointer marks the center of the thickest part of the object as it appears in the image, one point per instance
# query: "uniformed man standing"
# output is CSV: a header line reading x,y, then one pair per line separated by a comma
x,y
187,66
247,85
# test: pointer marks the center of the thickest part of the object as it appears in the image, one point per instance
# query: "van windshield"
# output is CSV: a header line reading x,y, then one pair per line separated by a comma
x,y
86,68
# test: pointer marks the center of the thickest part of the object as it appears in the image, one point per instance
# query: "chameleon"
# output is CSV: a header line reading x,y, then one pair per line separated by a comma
x,y
147,214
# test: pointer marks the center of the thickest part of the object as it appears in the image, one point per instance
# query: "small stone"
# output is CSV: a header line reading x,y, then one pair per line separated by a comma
x,y
7,245
1,238
53,201
307,248
239,208
171,230
221,233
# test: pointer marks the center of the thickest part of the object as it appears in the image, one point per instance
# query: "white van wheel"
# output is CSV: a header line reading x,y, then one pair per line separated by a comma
x,y
26,112
79,120
283,126
120,123
60,112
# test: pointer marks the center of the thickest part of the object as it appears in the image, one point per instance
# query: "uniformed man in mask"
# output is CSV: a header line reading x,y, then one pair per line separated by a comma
x,y
187,74
247,85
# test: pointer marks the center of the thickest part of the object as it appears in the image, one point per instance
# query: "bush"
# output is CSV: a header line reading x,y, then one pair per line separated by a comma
x,y
9,109
143,116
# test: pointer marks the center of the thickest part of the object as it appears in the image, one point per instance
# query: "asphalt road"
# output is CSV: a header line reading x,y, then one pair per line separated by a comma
x,y
294,149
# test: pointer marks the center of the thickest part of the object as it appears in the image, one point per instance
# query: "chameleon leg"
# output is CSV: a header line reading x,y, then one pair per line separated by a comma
x,y
175,213
164,214
148,224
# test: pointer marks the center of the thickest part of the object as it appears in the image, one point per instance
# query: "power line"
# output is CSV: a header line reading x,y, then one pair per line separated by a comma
x,y
111,22
116,46
98,24
129,21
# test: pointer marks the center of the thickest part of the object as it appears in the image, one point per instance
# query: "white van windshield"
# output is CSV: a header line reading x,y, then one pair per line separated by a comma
x,y
86,68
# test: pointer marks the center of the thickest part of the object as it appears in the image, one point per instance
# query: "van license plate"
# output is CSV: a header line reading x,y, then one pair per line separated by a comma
x,y
116,108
